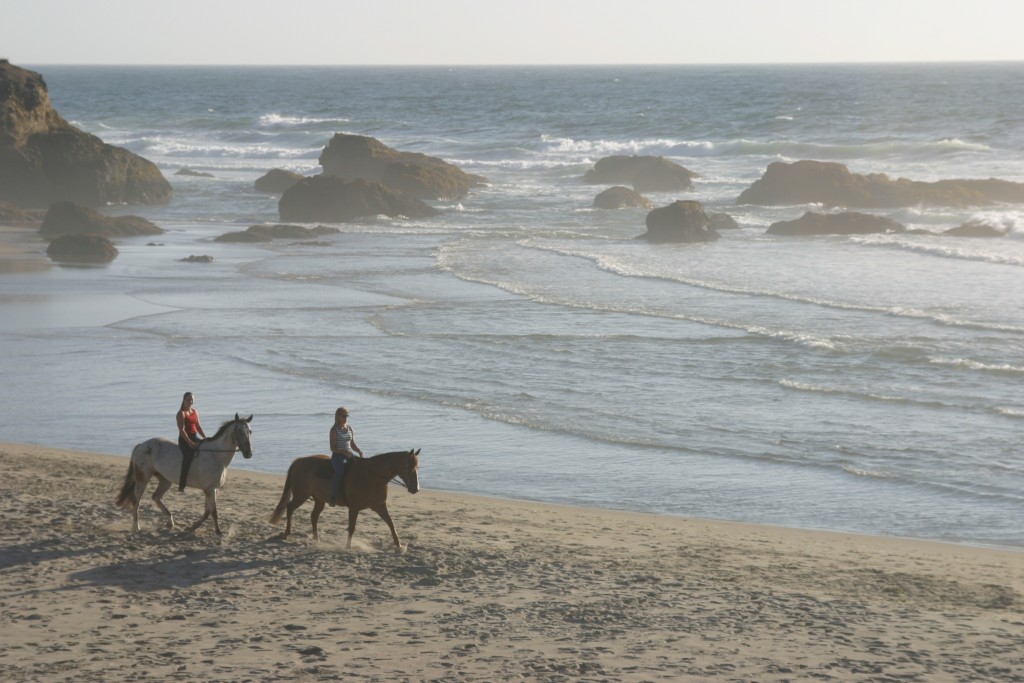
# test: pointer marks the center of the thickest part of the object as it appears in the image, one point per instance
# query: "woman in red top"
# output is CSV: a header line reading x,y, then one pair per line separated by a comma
x,y
189,433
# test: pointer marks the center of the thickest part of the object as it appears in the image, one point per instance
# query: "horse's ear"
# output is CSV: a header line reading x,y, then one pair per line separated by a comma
x,y
236,417
250,419
417,451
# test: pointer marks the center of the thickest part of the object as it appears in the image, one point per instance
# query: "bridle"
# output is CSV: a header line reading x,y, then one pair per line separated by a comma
x,y
238,446
398,479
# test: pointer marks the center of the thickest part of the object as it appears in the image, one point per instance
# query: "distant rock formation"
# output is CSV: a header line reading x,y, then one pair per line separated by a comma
x,y
267,233
620,197
82,249
195,174
68,218
976,228
847,223
722,221
351,157
680,221
832,184
333,200
276,181
644,173
205,258
44,159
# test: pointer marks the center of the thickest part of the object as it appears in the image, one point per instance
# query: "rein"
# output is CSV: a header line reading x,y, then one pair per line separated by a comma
x,y
216,450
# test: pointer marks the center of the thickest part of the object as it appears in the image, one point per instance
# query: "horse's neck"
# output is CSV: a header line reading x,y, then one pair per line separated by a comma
x,y
223,449
386,466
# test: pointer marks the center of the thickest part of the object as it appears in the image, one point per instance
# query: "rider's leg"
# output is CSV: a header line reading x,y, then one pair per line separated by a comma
x,y
186,461
339,461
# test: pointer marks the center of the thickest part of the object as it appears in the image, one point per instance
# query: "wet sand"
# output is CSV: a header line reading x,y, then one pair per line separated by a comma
x,y
485,590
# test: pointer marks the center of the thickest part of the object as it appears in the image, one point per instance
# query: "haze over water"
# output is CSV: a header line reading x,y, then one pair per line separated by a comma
x,y
525,341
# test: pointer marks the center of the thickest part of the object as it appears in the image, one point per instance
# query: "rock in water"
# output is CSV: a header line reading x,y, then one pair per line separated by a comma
x,y
351,157
68,218
680,221
82,249
330,199
44,159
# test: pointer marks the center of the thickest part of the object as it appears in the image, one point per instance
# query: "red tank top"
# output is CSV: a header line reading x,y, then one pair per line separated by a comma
x,y
191,423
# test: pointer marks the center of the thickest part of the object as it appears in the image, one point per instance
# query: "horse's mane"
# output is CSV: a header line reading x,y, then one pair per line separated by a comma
x,y
223,428
385,455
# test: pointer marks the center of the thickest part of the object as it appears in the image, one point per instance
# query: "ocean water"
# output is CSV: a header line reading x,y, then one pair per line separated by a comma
x,y
524,340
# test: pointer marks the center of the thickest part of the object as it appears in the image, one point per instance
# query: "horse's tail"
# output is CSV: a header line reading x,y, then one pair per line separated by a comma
x,y
286,496
126,499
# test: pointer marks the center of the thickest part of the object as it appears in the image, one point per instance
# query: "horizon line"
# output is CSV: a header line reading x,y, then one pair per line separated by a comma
x,y
522,64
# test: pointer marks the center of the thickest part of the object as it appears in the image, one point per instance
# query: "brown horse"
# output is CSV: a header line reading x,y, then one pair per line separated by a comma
x,y
366,486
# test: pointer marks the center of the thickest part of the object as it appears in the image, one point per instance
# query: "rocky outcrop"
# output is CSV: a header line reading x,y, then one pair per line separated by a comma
x,y
832,184
351,157
44,159
722,221
847,223
333,200
644,173
680,221
82,249
68,218
203,258
268,233
976,229
276,181
186,171
620,197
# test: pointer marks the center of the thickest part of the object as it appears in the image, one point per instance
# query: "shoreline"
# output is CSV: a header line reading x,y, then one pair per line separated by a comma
x,y
277,478
487,589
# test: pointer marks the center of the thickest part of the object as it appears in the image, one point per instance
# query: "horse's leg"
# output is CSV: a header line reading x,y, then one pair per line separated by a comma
x,y
211,504
353,514
141,480
382,511
293,505
318,507
212,496
158,495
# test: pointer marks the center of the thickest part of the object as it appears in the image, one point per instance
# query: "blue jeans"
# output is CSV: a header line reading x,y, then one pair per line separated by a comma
x,y
339,460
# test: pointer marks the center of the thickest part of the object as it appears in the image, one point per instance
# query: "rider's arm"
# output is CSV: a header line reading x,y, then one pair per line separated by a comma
x,y
334,439
181,428
356,448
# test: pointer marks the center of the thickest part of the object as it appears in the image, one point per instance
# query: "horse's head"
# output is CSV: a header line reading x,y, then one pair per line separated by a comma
x,y
243,435
411,472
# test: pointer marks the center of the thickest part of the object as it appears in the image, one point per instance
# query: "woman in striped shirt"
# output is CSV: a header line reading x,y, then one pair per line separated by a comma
x,y
343,443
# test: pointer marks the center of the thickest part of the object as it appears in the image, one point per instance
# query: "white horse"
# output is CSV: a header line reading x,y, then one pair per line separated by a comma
x,y
162,457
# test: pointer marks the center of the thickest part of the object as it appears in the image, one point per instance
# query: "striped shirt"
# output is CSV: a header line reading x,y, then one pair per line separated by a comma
x,y
343,439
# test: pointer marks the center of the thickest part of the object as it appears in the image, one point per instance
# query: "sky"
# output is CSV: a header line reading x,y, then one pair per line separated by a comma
x,y
491,32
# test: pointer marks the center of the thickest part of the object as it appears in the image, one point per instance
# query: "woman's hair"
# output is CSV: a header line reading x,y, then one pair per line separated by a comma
x,y
338,413
188,395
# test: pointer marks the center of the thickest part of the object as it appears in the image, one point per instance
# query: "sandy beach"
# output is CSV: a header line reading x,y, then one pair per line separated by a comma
x,y
485,590
22,250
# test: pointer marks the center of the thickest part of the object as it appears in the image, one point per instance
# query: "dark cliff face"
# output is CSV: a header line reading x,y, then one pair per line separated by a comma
x,y
44,159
